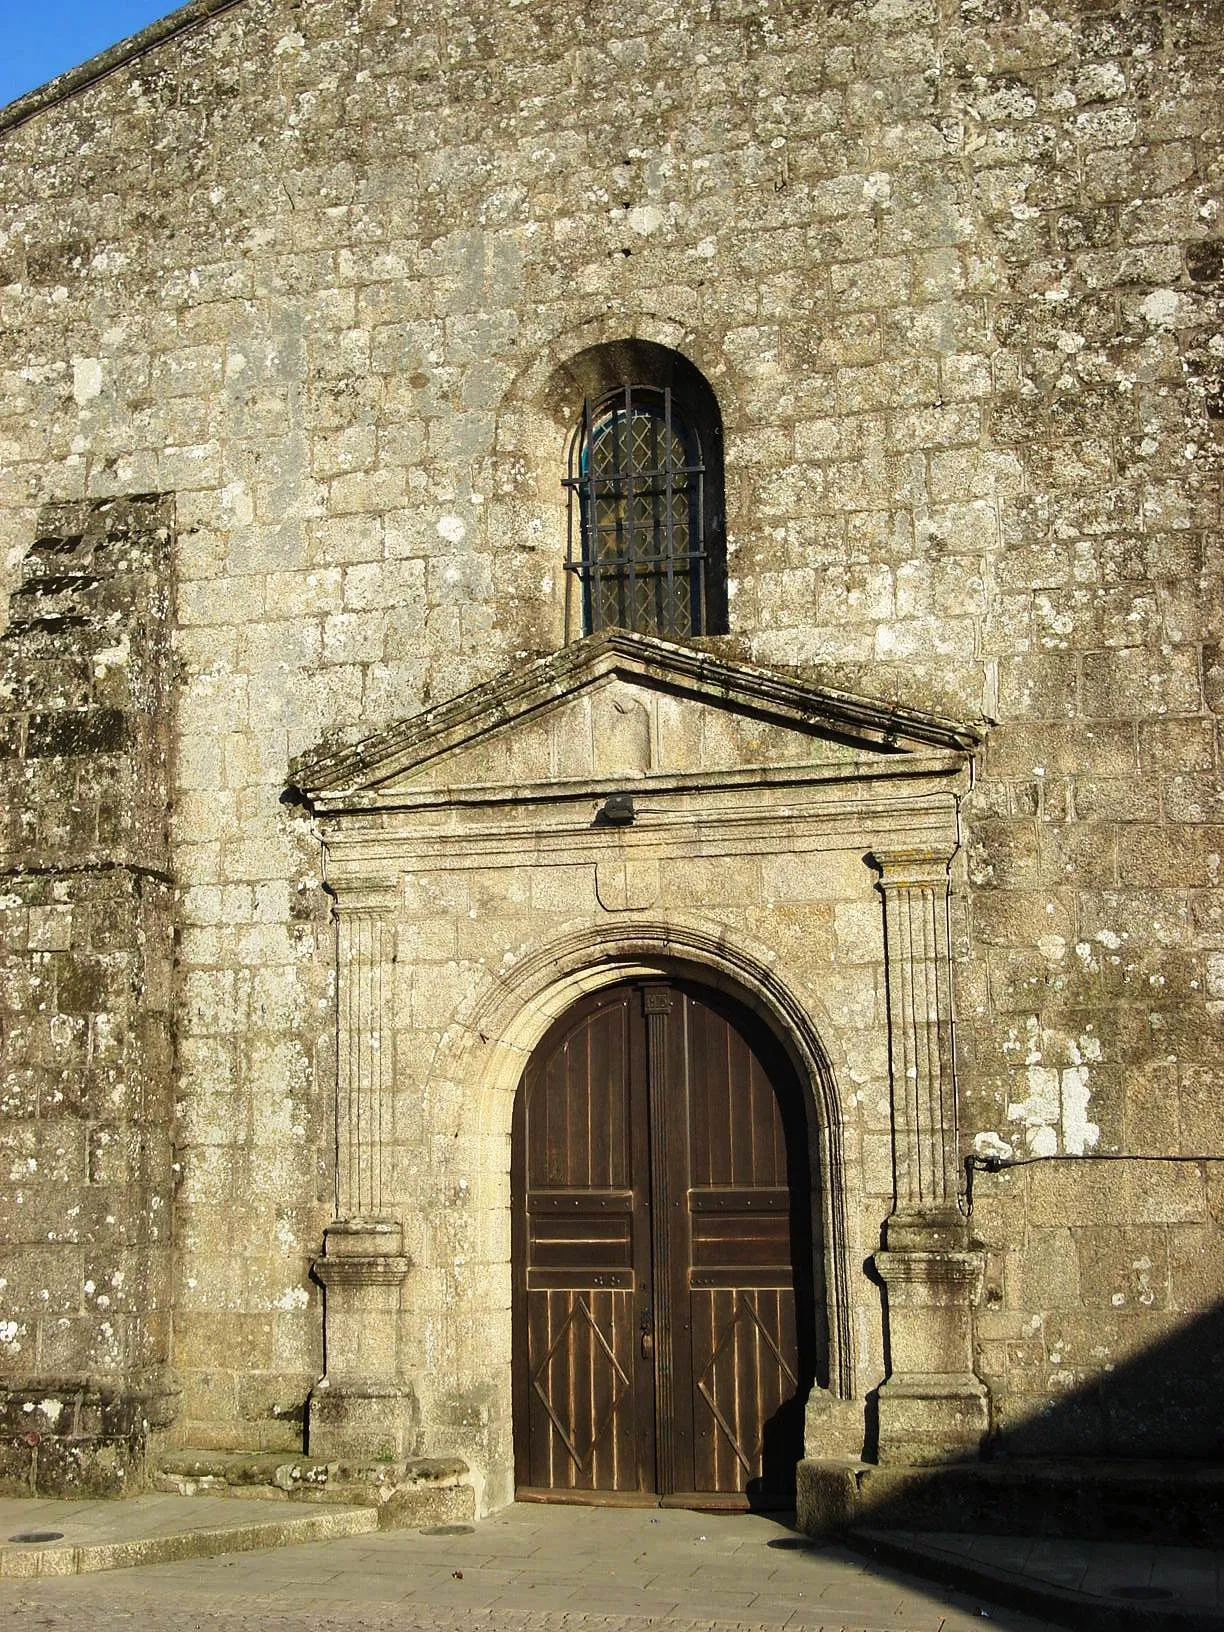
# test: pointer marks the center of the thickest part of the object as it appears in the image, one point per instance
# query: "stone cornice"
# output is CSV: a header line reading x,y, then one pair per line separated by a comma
x,y
789,782
385,841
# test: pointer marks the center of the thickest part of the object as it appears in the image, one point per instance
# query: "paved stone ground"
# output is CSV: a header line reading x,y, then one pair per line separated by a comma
x,y
527,1569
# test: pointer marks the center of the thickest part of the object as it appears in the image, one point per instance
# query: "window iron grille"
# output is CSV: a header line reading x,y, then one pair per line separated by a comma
x,y
637,521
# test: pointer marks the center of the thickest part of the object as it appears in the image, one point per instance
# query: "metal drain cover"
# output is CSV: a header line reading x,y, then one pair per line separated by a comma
x,y
1144,1594
448,1530
38,1535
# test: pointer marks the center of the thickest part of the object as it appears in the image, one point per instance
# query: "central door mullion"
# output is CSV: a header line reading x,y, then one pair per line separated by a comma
x,y
642,1317
658,1002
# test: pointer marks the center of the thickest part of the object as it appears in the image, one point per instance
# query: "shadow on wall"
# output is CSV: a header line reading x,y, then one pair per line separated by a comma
x,y
1134,1455
1101,1335
1167,1402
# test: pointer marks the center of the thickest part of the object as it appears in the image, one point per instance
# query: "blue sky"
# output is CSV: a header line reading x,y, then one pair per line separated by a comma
x,y
40,38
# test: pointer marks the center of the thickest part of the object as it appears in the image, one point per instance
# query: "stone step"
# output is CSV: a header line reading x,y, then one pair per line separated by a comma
x,y
422,1490
42,1538
1052,1587
1088,1499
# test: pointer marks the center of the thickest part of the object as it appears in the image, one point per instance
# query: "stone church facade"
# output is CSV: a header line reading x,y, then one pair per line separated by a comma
x,y
371,728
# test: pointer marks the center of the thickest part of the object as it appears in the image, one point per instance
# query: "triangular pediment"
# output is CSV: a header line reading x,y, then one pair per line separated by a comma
x,y
618,708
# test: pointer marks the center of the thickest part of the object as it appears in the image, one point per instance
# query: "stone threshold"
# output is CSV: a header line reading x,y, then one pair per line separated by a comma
x,y
118,1534
947,1559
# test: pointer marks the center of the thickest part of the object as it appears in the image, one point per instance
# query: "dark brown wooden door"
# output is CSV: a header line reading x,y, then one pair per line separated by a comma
x,y
665,1336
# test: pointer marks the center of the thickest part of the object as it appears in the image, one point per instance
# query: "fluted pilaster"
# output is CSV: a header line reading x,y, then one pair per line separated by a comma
x,y
932,1405
363,1076
915,887
363,1407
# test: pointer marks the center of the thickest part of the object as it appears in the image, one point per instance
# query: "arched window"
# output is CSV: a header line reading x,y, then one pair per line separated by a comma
x,y
638,478
645,495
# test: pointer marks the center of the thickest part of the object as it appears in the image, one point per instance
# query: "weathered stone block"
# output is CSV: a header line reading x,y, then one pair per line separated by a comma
x,y
1086,1194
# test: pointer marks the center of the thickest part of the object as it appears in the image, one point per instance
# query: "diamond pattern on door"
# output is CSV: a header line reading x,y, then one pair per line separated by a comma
x,y
579,1331
721,1384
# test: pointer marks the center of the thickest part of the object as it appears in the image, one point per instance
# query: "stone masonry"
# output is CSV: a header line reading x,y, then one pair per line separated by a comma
x,y
86,931
315,270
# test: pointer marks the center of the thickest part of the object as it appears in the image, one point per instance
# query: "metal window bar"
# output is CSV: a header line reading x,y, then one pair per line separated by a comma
x,y
629,505
670,489
636,525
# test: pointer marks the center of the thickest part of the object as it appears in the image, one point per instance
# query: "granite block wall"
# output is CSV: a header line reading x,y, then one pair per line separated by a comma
x,y
954,272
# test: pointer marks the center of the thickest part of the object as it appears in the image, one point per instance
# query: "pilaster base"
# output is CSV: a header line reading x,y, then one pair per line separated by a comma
x,y
932,1418
362,1410
355,1421
832,1427
932,1407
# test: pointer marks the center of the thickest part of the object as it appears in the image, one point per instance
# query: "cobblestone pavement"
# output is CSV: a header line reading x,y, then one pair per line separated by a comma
x,y
527,1569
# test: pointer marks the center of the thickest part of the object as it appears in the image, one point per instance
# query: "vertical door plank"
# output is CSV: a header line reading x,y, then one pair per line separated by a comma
x,y
747,1280
580,1238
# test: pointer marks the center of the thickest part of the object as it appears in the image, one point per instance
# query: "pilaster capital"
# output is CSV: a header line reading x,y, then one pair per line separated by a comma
x,y
913,866
391,1270
363,895
363,1237
927,1229
958,1274
363,1252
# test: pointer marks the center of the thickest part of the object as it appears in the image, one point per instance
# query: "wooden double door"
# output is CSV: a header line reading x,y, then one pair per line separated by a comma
x,y
665,1334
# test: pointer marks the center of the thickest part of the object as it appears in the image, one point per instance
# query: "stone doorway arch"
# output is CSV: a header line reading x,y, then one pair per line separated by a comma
x,y
494,1037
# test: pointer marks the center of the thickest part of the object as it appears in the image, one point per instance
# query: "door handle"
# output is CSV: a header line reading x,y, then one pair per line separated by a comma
x,y
647,1335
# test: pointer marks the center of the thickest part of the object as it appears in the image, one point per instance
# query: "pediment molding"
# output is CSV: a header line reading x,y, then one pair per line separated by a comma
x,y
618,707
